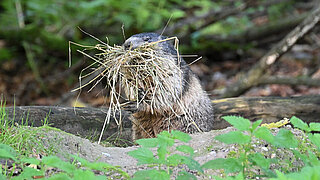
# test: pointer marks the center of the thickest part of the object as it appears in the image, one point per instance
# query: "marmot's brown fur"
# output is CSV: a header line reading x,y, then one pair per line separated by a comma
x,y
197,114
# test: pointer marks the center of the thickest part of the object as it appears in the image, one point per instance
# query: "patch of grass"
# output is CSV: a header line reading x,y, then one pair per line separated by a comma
x,y
23,138
24,156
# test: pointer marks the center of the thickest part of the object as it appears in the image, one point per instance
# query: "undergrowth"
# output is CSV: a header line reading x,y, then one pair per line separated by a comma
x,y
79,168
246,163
21,152
166,160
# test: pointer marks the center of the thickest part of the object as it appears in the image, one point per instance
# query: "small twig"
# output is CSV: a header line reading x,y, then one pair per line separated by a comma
x,y
20,15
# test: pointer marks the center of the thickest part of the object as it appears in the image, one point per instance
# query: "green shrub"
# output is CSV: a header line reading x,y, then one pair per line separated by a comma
x,y
241,164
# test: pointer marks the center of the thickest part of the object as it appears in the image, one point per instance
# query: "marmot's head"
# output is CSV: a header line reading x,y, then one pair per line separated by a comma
x,y
168,78
142,38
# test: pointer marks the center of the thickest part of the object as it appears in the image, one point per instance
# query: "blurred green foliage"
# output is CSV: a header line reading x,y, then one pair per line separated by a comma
x,y
48,25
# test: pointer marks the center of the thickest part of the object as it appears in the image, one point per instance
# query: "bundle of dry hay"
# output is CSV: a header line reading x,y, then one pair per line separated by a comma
x,y
143,69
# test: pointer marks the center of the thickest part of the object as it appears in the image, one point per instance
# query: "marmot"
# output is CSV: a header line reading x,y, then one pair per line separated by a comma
x,y
197,114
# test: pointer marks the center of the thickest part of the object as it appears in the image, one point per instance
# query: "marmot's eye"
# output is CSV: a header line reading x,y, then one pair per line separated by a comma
x,y
146,38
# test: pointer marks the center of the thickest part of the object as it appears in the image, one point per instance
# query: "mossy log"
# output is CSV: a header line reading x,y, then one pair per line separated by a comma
x,y
87,121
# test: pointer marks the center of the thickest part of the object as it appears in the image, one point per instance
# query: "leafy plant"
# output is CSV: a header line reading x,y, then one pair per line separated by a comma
x,y
165,160
79,169
248,158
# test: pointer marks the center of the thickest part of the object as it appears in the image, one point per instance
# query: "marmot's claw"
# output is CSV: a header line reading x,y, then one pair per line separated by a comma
x,y
130,106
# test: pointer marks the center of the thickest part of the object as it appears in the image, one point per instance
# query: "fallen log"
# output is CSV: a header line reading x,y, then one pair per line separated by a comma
x,y
87,121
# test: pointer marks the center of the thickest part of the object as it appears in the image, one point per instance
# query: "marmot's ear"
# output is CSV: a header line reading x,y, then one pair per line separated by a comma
x,y
161,38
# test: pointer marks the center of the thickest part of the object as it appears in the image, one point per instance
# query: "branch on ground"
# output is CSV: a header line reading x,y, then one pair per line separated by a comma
x,y
307,81
251,78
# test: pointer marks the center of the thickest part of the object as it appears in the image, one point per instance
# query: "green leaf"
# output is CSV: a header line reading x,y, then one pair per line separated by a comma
x,y
314,126
183,175
259,160
151,174
315,139
28,173
177,159
54,161
233,137
7,152
184,137
165,133
298,123
99,166
162,152
31,161
192,164
83,161
314,161
285,139
186,149
280,176
165,139
4,154
265,134
255,125
238,122
80,174
143,155
60,176
174,160
148,143
312,173
239,176
229,165
2,177
92,165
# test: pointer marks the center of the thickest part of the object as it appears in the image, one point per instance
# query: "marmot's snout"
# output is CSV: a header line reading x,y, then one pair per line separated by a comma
x,y
134,42
139,39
